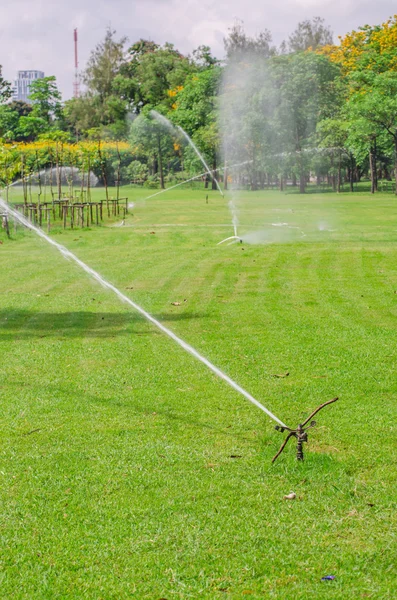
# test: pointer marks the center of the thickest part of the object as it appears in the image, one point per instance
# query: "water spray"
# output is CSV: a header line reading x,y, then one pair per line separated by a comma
x,y
106,284
210,173
196,177
162,119
300,433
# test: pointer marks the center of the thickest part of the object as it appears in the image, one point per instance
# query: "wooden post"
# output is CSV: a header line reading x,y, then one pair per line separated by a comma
x,y
48,220
65,212
5,225
97,213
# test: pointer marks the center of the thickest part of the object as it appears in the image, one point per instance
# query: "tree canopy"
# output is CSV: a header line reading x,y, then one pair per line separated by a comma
x,y
309,108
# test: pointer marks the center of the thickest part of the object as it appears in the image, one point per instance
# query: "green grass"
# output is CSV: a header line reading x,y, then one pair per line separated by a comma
x,y
117,476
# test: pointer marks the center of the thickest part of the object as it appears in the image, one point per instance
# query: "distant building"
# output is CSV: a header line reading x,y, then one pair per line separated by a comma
x,y
22,84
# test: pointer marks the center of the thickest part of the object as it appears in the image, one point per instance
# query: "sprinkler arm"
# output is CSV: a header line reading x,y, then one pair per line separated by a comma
x,y
300,432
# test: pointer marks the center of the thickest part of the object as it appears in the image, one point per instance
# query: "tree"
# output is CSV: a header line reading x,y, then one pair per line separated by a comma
x,y
195,110
149,73
101,106
152,143
5,88
375,103
8,122
103,66
203,58
46,99
22,108
306,93
237,44
310,34
30,127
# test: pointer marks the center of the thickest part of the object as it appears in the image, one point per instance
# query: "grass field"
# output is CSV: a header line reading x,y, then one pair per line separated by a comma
x,y
128,470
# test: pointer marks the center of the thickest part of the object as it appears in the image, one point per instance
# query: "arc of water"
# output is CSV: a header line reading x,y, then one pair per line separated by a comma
x,y
233,237
162,119
196,177
106,284
201,157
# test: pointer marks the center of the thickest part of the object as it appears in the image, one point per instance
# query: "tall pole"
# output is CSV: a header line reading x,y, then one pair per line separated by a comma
x,y
76,85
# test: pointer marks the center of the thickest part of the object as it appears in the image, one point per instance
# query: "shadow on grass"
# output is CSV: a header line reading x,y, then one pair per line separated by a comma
x,y
23,324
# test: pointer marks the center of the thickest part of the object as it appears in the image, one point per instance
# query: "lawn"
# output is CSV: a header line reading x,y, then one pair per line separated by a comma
x,y
128,470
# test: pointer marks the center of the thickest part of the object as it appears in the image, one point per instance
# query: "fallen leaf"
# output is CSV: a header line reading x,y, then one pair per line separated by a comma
x,y
235,456
152,233
290,496
281,375
210,466
33,431
175,303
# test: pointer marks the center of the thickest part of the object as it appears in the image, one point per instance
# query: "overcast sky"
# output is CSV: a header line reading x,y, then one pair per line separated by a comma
x,y
38,34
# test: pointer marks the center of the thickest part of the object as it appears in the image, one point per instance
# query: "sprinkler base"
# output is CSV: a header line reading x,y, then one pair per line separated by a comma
x,y
300,433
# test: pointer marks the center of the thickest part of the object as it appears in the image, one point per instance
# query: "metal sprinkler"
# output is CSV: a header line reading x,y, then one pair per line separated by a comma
x,y
300,433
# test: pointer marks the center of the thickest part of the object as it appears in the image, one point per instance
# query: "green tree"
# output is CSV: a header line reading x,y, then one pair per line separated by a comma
x,y
30,127
5,88
195,110
103,66
150,73
310,34
46,99
238,44
306,93
153,144
100,106
8,122
374,105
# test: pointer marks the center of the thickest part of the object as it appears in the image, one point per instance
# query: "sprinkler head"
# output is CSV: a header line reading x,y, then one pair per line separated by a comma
x,y
300,433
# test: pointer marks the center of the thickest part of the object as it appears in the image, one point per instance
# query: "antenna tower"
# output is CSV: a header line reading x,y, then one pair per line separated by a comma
x,y
76,84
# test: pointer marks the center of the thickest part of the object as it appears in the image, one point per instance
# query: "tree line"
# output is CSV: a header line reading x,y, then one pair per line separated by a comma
x,y
306,109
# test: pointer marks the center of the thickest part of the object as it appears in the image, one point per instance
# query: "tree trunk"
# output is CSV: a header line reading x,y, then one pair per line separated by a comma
x,y
160,159
294,183
351,176
372,165
395,158
339,171
225,178
302,184
214,174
